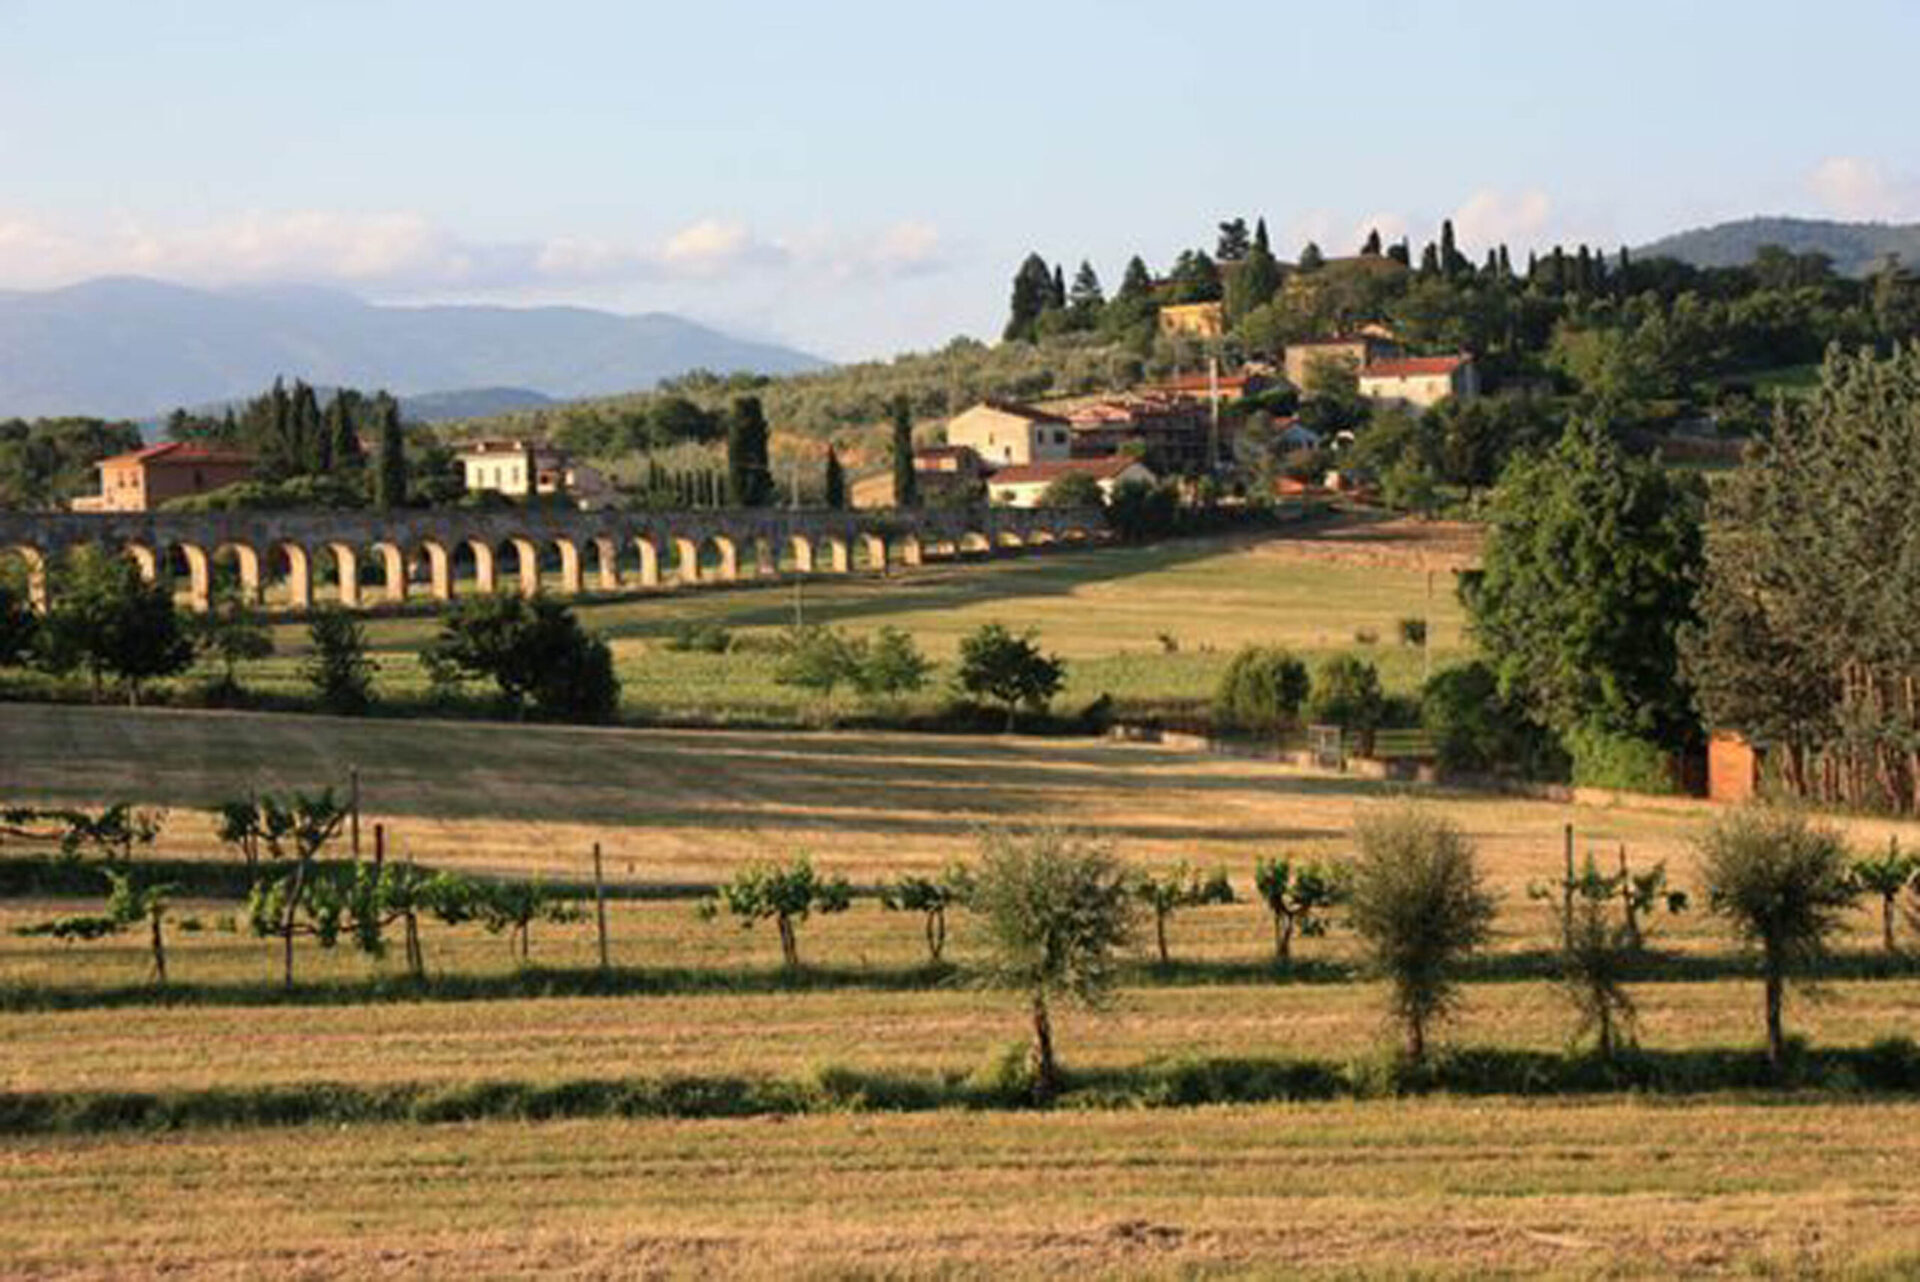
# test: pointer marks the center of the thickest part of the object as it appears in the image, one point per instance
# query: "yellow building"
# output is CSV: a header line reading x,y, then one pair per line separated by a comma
x,y
1003,433
1193,320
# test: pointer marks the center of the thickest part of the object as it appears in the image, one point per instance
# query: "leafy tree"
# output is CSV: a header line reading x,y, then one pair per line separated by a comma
x,y
1298,897
1473,726
129,903
277,904
1195,279
390,471
1032,293
338,669
1140,511
785,895
749,476
931,897
19,627
835,485
1073,489
1590,566
1782,885
1176,888
906,484
534,651
1253,285
819,659
1311,259
1055,910
1419,905
891,666
1009,669
1884,877
1805,639
1261,690
511,908
1347,693
1233,244
232,632
110,621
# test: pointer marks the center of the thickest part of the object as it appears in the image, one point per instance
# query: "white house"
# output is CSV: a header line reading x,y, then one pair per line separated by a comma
x,y
519,468
1420,381
1005,434
1026,485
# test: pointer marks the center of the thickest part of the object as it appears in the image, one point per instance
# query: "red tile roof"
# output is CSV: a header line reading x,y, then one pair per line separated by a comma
x,y
177,452
1414,366
1100,469
1021,410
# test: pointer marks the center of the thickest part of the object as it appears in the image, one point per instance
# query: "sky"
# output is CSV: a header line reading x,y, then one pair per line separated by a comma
x,y
859,179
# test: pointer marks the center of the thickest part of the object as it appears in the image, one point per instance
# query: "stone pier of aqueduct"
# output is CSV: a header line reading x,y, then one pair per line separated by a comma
x,y
433,555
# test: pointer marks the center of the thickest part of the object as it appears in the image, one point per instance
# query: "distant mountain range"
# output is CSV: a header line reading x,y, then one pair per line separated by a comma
x,y
1856,248
126,347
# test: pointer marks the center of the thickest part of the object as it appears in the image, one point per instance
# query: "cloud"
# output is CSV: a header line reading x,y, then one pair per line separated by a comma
x,y
1490,217
1856,188
400,253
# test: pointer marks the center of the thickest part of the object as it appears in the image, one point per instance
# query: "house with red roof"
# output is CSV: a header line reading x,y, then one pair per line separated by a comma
x,y
1419,381
141,481
1024,485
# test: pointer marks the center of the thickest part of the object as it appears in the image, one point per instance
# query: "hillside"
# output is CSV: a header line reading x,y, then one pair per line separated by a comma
x,y
1856,248
128,347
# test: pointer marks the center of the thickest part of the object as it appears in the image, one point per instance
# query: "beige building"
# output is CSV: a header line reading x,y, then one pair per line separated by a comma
x,y
1004,434
1354,350
519,468
945,475
1193,320
1026,485
1420,381
143,480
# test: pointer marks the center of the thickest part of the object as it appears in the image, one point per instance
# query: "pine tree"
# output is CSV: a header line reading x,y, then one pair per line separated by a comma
x,y
1136,283
836,481
390,474
1372,248
1311,259
1254,285
1032,287
906,485
749,476
1086,298
1232,245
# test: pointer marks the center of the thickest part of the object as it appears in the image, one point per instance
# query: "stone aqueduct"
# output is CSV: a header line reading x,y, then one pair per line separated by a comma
x,y
420,554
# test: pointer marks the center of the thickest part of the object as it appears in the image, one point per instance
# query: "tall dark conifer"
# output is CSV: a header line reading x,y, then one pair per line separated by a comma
x,y
906,485
836,481
749,474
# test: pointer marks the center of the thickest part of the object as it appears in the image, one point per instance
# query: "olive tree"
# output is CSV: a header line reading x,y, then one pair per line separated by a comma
x,y
1420,907
1783,887
785,894
1056,909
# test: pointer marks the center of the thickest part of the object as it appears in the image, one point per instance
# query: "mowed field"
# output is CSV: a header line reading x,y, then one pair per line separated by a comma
x,y
1599,1185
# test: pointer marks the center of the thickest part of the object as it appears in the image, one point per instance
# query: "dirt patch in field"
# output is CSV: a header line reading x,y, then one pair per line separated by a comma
x,y
1369,539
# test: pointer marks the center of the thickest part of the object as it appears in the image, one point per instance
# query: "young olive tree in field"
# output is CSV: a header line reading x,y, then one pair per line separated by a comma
x,y
277,904
1884,877
1181,887
784,894
1783,886
931,897
1298,897
129,903
1010,670
1420,908
1056,910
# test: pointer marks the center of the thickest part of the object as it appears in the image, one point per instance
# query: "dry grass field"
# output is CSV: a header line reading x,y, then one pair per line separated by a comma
x,y
1596,1185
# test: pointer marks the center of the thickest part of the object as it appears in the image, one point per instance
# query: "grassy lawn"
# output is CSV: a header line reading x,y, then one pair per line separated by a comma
x,y
1426,1188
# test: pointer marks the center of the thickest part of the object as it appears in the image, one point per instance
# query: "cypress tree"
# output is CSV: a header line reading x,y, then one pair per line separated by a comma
x,y
1057,291
1260,240
1429,260
343,442
1401,252
313,448
1372,248
836,483
1450,260
390,475
749,475
1086,298
1506,264
906,485
1032,288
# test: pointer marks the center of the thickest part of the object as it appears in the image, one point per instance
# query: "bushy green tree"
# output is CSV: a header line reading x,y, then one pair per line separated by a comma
x,y
891,666
1590,567
1418,902
784,894
337,667
1261,690
1009,669
1474,726
1073,490
1055,911
109,621
1347,693
820,659
535,652
1783,887
1140,511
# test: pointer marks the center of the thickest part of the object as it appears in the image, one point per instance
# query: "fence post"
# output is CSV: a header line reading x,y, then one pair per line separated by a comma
x,y
353,807
1566,891
379,846
600,908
